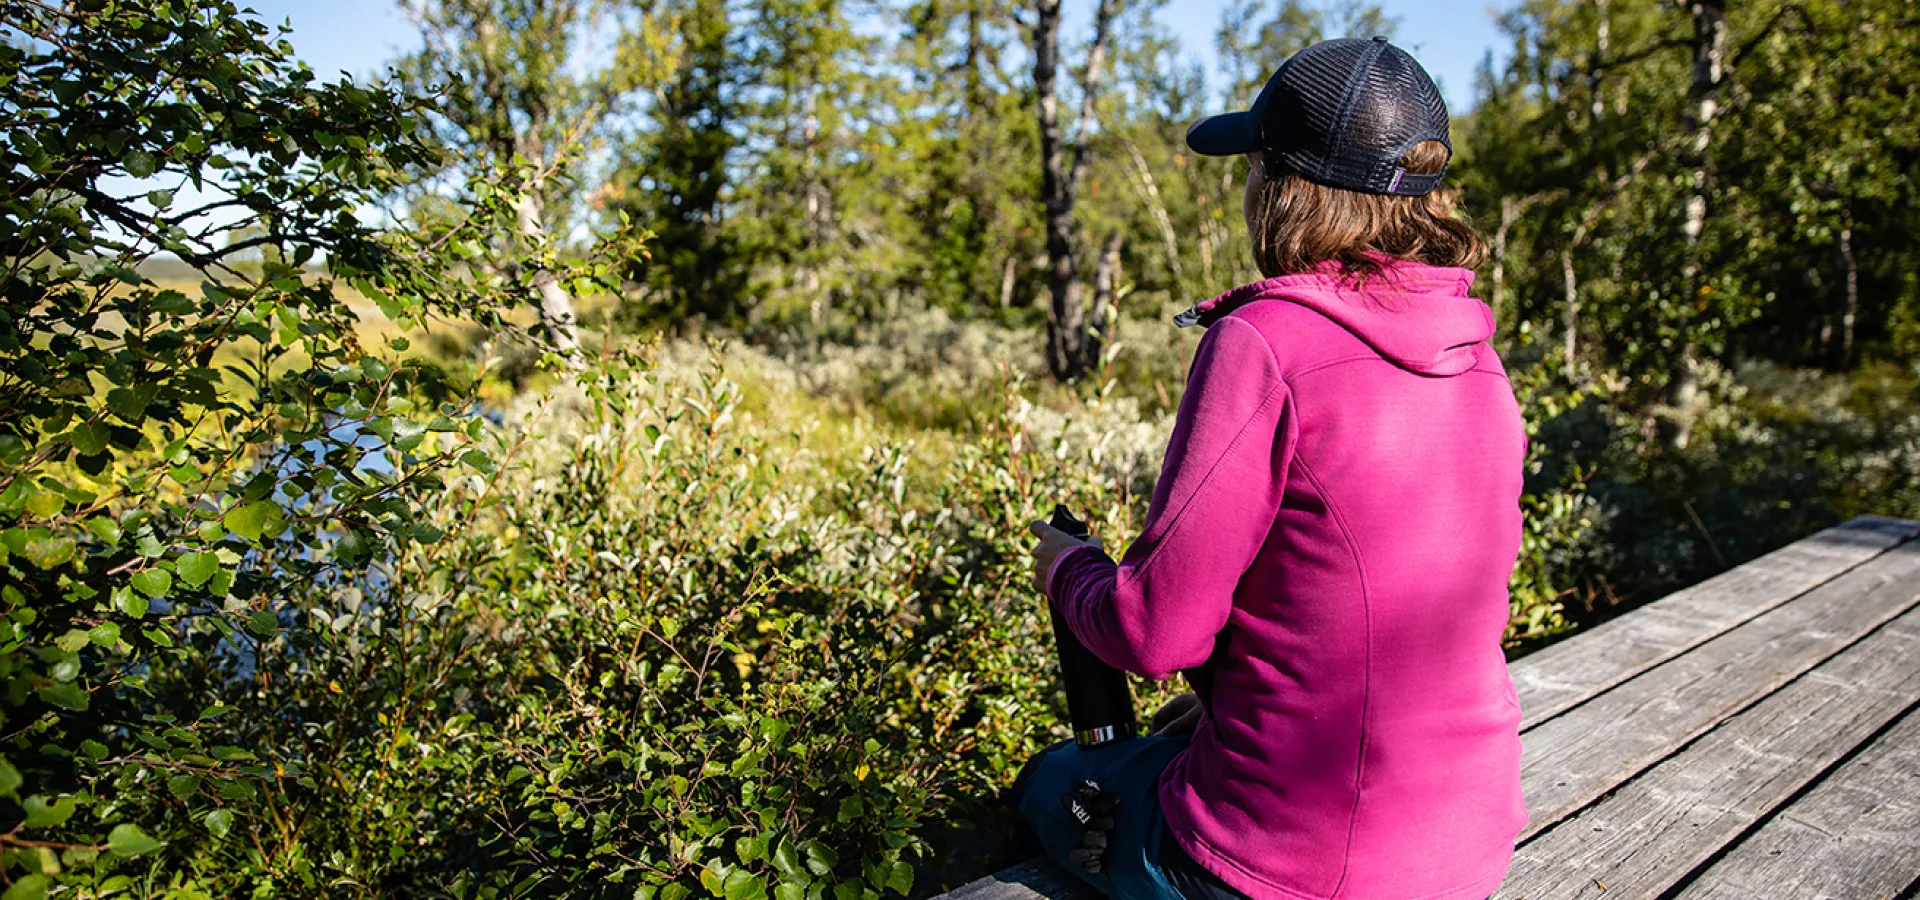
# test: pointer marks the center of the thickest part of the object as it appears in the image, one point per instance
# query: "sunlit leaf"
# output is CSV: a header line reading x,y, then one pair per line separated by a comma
x,y
128,840
252,520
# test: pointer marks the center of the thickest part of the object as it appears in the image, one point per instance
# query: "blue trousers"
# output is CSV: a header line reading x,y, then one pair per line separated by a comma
x,y
1142,861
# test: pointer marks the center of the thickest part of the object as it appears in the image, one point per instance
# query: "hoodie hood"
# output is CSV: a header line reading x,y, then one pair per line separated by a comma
x,y
1418,316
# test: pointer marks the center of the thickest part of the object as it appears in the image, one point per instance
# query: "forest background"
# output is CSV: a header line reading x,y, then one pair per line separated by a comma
x,y
592,458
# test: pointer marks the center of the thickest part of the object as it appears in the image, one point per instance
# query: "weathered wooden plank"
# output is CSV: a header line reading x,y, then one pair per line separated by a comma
x,y
1573,759
1035,878
1857,834
1562,675
1652,831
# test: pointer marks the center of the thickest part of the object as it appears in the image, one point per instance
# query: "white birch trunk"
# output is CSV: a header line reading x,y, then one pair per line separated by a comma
x,y
556,305
1500,256
1709,69
1206,238
1570,313
1602,46
1853,297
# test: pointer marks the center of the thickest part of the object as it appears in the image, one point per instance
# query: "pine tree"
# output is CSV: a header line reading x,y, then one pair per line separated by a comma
x,y
965,153
675,174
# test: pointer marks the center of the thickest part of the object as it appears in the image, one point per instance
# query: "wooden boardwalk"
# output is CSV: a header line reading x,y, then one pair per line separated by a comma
x,y
1754,736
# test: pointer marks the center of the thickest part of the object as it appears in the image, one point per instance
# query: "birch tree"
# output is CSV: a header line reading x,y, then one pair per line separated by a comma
x,y
1709,48
515,97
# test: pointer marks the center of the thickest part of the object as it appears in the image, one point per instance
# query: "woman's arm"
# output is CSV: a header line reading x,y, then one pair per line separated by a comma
x,y
1157,610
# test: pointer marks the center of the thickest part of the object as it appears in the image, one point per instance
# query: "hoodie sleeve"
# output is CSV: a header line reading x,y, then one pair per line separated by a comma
x,y
1158,609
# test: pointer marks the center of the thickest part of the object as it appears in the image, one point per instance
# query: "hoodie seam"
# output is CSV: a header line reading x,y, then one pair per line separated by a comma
x,y
1180,517
1366,666
1324,364
1280,387
1382,358
1424,369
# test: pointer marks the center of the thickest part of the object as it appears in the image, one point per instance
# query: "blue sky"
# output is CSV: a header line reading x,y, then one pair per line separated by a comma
x,y
1449,37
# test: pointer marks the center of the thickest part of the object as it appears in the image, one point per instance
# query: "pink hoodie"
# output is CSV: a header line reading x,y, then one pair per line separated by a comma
x,y
1329,546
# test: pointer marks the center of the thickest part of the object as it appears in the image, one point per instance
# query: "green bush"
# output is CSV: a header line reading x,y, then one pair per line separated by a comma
x,y
184,470
170,460
667,646
1617,517
716,648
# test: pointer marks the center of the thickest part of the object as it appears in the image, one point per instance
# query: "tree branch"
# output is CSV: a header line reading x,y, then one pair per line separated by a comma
x,y
1089,90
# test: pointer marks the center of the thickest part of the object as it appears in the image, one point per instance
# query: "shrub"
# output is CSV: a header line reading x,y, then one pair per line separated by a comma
x,y
186,472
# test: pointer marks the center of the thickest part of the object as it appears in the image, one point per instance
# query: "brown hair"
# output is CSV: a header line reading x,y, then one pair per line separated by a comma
x,y
1299,225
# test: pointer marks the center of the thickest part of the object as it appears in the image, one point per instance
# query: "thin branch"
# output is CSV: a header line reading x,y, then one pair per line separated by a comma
x,y
1089,91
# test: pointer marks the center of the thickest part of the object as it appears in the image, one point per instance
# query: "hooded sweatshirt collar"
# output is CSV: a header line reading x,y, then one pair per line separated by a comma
x,y
1417,315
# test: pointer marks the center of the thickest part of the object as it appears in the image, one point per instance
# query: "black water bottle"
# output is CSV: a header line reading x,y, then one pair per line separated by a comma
x,y
1099,701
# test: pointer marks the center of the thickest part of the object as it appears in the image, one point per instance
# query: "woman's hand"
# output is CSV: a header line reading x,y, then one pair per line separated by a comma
x,y
1053,542
1179,716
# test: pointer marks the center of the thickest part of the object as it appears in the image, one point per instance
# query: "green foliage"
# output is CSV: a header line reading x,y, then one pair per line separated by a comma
x,y
519,117
1560,543
177,466
714,661
1583,139
289,615
1694,449
654,641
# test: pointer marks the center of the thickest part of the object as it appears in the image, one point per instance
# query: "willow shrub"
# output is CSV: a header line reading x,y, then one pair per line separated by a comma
x,y
717,657
173,461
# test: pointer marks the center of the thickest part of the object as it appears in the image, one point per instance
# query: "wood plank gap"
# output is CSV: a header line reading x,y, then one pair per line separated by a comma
x,y
1571,763
1650,832
1703,882
1559,677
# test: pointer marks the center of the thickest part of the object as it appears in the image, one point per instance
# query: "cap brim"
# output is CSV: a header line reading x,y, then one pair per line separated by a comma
x,y
1229,134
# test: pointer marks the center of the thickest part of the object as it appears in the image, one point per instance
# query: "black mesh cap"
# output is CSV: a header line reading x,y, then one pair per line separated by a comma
x,y
1340,113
